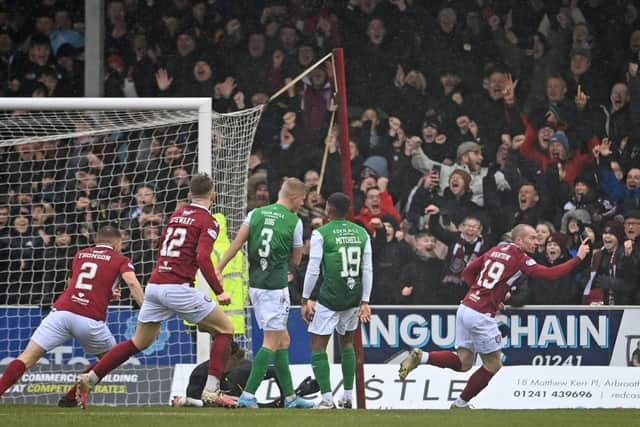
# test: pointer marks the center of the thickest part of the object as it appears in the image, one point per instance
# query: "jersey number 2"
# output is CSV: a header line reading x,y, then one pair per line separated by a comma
x,y
490,274
88,271
173,240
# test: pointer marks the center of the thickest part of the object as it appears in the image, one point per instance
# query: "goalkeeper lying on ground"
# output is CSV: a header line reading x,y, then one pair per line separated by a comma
x,y
233,381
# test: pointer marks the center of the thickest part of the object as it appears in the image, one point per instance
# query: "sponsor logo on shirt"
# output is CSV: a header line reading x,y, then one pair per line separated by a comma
x,y
164,267
80,299
213,233
531,262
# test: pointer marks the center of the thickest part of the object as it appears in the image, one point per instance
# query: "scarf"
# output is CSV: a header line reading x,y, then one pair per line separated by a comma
x,y
459,260
594,295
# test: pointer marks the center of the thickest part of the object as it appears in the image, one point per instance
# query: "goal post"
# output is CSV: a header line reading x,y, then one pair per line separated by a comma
x,y
70,164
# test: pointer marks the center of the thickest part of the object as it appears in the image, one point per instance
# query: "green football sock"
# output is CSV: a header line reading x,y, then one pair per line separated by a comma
x,y
258,369
320,365
348,367
283,372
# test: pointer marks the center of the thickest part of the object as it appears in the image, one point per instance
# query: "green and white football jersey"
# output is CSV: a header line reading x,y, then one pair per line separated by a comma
x,y
273,232
344,246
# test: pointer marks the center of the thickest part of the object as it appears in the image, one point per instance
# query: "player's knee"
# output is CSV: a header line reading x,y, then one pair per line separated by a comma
x,y
465,365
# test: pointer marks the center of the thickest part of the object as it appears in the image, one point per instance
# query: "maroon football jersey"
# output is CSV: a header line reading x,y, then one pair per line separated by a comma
x,y
491,275
94,275
185,246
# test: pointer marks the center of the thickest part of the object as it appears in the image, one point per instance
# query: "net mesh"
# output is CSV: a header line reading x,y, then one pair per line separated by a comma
x,y
63,175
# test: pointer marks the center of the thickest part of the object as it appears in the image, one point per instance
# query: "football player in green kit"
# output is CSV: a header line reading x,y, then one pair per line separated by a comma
x,y
342,250
274,236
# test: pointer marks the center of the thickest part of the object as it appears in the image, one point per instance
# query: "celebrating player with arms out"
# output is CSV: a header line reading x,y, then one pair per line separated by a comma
x,y
81,310
274,233
344,251
187,242
489,277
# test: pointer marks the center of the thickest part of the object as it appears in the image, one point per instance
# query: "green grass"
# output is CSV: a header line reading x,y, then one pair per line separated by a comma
x,y
51,416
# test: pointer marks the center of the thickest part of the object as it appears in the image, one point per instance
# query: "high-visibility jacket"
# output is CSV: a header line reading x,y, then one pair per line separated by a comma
x,y
235,277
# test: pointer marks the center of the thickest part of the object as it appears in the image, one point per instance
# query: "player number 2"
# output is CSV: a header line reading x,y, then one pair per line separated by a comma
x,y
350,261
88,271
265,244
491,273
173,240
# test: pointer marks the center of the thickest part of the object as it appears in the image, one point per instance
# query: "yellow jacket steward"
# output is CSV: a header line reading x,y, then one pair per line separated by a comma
x,y
235,277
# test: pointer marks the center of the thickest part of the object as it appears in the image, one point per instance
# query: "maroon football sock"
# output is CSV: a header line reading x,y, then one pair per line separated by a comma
x,y
445,359
219,354
71,394
476,383
11,375
114,358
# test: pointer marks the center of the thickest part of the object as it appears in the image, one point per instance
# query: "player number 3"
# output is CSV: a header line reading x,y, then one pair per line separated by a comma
x,y
490,274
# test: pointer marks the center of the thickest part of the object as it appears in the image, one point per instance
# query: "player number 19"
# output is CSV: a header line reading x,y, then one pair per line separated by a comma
x,y
350,261
491,273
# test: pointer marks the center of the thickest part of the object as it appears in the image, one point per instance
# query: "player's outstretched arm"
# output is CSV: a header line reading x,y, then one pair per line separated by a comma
x,y
531,268
135,288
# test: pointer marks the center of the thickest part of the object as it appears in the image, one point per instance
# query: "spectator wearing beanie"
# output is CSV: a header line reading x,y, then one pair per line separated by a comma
x,y
614,278
560,291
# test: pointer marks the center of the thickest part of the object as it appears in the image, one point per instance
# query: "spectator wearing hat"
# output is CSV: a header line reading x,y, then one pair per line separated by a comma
x,y
580,73
468,158
558,150
563,291
614,276
436,145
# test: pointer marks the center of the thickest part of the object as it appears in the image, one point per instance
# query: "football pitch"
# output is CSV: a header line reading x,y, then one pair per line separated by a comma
x,y
51,416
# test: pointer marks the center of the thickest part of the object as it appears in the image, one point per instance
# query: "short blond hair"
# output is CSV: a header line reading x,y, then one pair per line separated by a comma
x,y
291,187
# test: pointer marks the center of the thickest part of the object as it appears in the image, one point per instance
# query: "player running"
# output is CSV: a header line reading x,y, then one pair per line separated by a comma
x,y
274,233
489,277
344,251
82,308
187,242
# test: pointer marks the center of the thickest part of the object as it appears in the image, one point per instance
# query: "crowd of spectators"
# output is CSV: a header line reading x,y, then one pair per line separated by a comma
x,y
467,117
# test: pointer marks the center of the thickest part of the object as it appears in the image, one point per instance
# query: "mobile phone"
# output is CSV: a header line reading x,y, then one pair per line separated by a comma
x,y
436,169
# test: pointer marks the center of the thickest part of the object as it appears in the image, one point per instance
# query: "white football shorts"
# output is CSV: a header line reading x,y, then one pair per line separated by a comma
x,y
325,320
476,331
162,301
271,308
60,326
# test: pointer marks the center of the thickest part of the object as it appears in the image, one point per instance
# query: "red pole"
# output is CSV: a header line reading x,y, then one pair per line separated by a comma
x,y
345,155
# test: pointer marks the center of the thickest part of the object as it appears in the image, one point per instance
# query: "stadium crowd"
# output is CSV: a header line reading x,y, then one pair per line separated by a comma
x,y
467,117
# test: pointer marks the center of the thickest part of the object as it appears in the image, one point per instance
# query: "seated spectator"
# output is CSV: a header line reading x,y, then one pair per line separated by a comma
x,y
420,277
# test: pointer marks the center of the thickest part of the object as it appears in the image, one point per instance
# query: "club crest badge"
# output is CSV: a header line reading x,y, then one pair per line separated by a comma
x,y
264,264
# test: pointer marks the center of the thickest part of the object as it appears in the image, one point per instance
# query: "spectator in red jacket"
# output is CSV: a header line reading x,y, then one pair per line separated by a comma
x,y
377,203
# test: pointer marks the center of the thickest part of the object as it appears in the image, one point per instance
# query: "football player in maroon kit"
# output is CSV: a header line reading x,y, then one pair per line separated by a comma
x,y
81,310
186,245
489,278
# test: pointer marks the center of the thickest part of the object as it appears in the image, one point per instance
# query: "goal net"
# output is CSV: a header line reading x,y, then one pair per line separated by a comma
x,y
69,166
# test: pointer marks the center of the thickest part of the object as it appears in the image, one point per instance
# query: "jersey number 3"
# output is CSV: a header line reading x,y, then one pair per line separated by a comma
x,y
491,273
173,240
